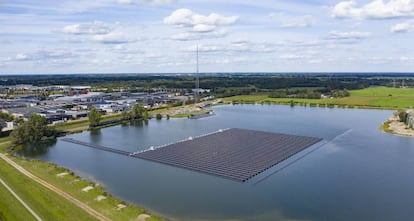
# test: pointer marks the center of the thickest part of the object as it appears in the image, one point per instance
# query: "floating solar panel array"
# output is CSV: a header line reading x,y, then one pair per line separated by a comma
x,y
236,154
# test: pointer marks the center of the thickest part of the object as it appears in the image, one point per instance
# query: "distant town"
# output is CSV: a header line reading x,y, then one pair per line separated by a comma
x,y
60,103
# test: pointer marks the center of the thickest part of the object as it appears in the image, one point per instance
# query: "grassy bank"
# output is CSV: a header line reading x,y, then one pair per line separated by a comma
x,y
51,206
10,208
386,127
79,125
375,97
47,204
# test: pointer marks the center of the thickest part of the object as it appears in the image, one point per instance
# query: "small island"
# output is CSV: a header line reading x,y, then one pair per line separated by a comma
x,y
401,123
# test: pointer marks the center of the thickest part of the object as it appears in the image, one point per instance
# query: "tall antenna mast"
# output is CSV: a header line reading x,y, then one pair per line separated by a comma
x,y
197,83
198,75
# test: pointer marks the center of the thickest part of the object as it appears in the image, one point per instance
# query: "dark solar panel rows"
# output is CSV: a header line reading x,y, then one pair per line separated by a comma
x,y
237,154
97,146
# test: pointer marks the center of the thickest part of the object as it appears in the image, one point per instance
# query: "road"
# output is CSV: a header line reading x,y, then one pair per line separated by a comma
x,y
75,201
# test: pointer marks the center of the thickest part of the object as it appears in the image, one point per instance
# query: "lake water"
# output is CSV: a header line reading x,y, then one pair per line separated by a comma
x,y
356,173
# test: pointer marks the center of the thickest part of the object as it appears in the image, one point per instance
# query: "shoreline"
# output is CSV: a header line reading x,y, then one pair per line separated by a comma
x,y
395,127
304,104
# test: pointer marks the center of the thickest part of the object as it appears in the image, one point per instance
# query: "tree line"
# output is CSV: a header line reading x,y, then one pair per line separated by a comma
x,y
349,81
35,130
136,112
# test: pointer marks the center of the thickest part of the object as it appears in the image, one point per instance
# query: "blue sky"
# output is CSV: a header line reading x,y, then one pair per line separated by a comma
x,y
160,36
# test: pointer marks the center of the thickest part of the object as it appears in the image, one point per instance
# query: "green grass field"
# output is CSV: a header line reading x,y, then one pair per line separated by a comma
x,y
47,204
10,208
375,97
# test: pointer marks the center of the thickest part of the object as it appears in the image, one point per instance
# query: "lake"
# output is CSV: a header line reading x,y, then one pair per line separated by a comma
x,y
356,173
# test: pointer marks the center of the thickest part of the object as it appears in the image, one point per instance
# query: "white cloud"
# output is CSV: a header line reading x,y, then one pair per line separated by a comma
x,y
96,31
335,35
197,26
112,38
236,46
126,2
403,27
406,59
376,9
199,23
286,21
22,57
42,55
93,28
188,36
203,28
208,48
315,61
291,57
185,36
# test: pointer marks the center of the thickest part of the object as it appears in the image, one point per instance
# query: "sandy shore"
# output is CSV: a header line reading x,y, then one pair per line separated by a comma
x,y
398,128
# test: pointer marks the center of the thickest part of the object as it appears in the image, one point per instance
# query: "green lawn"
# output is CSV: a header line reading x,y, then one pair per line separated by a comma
x,y
384,92
10,208
47,204
375,97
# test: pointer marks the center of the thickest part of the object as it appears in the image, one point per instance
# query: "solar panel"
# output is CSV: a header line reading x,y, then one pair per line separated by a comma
x,y
236,154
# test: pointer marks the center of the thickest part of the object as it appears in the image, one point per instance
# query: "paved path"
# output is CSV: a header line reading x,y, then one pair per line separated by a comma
x,y
20,200
75,201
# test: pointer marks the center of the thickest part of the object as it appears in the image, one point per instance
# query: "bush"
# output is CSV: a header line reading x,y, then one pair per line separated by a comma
x,y
402,115
94,117
158,116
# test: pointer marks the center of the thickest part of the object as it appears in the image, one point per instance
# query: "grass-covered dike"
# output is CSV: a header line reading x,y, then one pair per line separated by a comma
x,y
48,204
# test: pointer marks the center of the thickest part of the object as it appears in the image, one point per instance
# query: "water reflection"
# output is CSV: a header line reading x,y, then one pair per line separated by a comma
x,y
38,149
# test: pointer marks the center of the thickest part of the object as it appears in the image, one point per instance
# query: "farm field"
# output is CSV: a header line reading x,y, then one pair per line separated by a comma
x,y
375,97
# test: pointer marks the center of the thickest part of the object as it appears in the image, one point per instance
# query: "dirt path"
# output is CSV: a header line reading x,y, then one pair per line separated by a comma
x,y
37,217
75,201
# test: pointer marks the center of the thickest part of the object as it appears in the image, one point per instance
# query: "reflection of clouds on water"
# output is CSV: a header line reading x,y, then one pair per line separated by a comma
x,y
334,145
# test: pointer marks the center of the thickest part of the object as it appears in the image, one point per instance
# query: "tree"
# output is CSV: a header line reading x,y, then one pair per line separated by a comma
x,y
137,111
34,130
94,117
158,116
6,117
402,114
125,115
145,114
